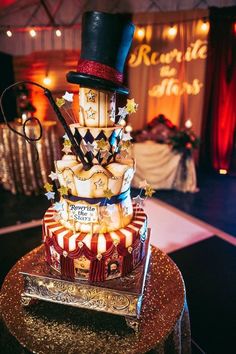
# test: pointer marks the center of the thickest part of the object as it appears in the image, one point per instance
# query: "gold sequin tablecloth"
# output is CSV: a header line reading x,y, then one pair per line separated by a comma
x,y
49,328
19,170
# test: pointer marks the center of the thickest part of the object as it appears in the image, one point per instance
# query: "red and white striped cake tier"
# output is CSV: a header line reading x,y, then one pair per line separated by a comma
x,y
98,243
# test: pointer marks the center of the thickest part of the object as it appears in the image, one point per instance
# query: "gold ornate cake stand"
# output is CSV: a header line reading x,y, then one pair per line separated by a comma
x,y
119,296
49,328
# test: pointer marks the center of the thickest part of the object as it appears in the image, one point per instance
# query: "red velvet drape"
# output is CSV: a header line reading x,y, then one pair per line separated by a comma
x,y
219,126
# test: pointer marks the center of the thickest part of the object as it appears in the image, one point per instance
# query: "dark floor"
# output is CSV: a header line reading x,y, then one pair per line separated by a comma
x,y
16,209
208,267
214,203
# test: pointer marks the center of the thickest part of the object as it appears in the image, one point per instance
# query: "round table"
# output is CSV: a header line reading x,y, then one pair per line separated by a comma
x,y
51,328
20,171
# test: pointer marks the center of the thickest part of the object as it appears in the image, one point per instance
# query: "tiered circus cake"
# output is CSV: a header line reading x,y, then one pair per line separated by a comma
x,y
95,231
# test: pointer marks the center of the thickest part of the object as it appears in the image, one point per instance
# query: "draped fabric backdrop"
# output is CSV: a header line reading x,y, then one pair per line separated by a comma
x,y
166,75
219,128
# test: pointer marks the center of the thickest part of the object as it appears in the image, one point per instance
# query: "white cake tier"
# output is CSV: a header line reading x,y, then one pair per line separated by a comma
x,y
95,182
97,108
98,200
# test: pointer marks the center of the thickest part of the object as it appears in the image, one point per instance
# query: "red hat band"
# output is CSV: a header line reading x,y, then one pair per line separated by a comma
x,y
100,70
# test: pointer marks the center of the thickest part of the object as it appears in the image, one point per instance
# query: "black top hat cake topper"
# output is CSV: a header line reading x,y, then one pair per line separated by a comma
x,y
106,40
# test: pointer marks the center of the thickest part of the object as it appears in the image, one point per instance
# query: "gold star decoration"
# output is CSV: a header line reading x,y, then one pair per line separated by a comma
x,y
48,187
90,113
63,190
131,106
102,144
66,146
67,143
125,145
60,102
108,193
99,184
91,96
123,154
149,191
105,216
105,154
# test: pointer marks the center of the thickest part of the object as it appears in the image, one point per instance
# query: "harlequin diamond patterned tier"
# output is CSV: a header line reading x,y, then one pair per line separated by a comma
x,y
99,145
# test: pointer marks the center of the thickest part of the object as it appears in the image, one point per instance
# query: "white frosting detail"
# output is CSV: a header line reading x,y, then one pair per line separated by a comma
x,y
128,237
133,227
48,218
60,238
114,236
101,245
87,240
72,244
138,222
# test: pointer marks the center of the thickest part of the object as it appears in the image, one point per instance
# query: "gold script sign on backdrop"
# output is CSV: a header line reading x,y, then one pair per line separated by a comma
x,y
143,54
167,75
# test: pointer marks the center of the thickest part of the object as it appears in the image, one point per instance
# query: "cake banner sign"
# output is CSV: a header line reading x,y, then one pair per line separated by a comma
x,y
84,213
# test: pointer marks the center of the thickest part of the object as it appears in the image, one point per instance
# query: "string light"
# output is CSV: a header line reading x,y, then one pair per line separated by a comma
x,y
122,123
47,80
33,33
9,33
128,128
140,33
58,33
205,26
188,124
172,31
24,117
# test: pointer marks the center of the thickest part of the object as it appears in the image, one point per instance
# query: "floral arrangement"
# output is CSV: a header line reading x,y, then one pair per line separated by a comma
x,y
162,130
161,119
159,130
184,141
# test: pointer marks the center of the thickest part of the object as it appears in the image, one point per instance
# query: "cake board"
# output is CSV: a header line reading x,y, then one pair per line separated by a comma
x,y
121,296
